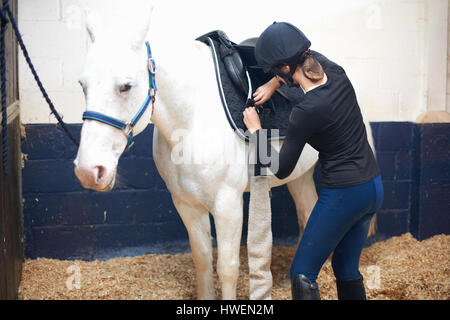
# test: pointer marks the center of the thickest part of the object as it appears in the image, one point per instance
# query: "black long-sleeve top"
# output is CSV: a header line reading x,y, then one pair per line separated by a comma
x,y
330,120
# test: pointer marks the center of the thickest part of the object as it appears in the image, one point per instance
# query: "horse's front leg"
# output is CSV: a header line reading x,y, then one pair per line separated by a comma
x,y
196,220
228,211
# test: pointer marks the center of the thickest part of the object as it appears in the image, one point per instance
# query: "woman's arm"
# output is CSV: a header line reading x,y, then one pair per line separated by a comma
x,y
300,128
298,132
264,92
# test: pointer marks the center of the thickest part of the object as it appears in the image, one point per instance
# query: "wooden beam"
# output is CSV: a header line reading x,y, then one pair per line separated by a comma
x,y
13,111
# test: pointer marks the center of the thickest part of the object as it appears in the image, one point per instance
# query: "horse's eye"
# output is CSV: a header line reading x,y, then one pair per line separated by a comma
x,y
125,88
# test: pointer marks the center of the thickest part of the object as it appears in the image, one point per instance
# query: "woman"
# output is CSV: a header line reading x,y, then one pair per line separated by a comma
x,y
330,120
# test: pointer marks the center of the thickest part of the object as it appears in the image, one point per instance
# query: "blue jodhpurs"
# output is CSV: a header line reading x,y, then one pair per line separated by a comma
x,y
339,223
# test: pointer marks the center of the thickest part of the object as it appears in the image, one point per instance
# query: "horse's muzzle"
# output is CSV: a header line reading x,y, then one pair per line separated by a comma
x,y
94,177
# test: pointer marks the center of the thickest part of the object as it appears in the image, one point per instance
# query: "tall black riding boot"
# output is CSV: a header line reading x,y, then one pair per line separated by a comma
x,y
351,289
303,289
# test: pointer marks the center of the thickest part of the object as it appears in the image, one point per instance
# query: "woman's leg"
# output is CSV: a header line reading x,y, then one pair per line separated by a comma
x,y
345,261
320,237
336,212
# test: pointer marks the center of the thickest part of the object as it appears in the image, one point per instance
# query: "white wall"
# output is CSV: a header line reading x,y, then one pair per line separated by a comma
x,y
385,45
448,61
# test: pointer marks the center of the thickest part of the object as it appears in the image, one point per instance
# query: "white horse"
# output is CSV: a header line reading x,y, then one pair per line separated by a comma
x,y
115,83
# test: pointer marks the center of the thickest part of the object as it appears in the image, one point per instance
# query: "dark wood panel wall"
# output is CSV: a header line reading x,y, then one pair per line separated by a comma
x,y
11,217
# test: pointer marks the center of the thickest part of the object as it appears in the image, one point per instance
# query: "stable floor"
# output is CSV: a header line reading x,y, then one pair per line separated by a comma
x,y
401,268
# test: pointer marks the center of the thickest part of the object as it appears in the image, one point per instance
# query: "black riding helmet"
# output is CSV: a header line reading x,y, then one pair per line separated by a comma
x,y
281,44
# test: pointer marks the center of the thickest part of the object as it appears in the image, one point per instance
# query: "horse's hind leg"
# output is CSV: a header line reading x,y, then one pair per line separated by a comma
x,y
303,191
196,220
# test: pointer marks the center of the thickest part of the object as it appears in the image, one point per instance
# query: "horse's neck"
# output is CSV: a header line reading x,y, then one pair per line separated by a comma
x,y
187,97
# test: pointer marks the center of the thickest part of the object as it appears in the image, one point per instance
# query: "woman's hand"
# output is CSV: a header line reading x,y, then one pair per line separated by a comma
x,y
263,93
251,119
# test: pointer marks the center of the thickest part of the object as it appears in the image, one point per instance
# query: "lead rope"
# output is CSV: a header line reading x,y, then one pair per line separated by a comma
x,y
6,17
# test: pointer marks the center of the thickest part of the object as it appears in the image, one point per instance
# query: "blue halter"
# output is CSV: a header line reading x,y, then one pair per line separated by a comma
x,y
127,127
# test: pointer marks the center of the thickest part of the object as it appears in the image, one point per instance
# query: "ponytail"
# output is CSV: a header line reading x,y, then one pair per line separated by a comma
x,y
311,68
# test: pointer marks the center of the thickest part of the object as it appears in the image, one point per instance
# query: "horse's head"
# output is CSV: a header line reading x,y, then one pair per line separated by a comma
x,y
115,82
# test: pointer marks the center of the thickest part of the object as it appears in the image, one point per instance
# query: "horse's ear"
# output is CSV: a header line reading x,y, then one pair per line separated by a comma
x,y
141,35
92,24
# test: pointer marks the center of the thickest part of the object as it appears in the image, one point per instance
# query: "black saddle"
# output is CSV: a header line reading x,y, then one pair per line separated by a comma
x,y
238,76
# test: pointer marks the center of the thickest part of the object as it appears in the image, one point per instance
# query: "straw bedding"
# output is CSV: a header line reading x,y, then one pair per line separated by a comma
x,y
407,269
